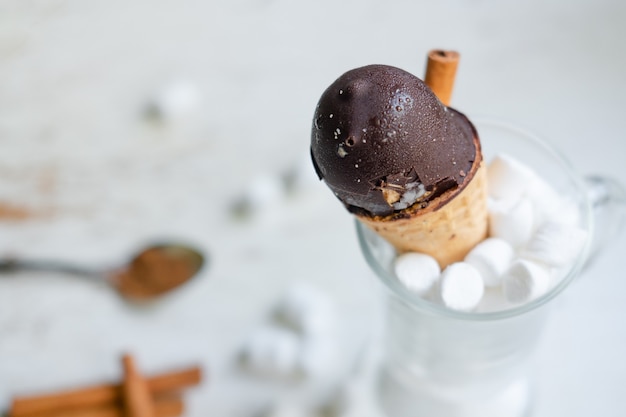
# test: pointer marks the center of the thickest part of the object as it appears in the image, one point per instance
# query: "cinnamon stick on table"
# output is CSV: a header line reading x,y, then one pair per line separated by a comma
x,y
440,72
101,395
163,407
138,401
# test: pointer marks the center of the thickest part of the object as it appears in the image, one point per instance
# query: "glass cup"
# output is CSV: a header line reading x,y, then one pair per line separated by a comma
x,y
441,362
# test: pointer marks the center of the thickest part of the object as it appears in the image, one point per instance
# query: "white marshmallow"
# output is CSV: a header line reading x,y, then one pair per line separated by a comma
x,y
354,398
417,271
568,213
175,100
300,176
493,300
319,357
514,225
507,178
273,351
491,257
555,244
461,286
549,205
262,193
500,206
544,198
307,310
525,280
285,409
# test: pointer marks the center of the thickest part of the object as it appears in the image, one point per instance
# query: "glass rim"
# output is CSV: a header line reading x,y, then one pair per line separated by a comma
x,y
417,302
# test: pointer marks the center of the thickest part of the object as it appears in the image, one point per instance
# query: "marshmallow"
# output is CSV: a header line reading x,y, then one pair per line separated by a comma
x,y
491,257
555,244
175,100
544,198
285,409
494,205
507,178
493,300
550,205
461,286
261,194
354,398
524,281
272,350
319,357
567,214
417,271
514,225
299,176
307,310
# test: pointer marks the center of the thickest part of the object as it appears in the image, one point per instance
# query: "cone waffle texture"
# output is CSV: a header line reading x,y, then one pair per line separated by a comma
x,y
446,233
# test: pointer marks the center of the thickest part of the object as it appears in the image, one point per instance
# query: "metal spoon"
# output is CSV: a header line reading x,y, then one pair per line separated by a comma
x,y
152,272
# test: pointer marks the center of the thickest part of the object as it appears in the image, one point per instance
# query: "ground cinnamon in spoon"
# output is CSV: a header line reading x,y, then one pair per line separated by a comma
x,y
154,272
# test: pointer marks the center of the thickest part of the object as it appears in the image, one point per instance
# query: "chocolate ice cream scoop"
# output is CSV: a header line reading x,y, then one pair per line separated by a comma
x,y
382,141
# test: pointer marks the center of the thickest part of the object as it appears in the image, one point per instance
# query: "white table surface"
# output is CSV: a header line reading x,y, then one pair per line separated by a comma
x,y
100,180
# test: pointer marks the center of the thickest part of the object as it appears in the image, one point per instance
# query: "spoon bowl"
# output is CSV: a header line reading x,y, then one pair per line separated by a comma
x,y
156,270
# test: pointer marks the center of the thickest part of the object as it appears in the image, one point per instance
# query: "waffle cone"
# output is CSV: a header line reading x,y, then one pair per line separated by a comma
x,y
447,229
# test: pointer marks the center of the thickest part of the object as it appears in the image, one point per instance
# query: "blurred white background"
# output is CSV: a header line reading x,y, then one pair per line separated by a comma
x,y
125,121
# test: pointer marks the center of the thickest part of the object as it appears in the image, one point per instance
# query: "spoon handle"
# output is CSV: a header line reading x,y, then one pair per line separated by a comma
x,y
16,265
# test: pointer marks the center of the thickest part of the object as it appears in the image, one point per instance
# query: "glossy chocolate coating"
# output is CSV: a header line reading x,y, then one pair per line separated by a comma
x,y
381,140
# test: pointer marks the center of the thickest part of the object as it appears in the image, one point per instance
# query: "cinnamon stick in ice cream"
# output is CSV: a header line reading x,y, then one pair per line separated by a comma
x,y
440,73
